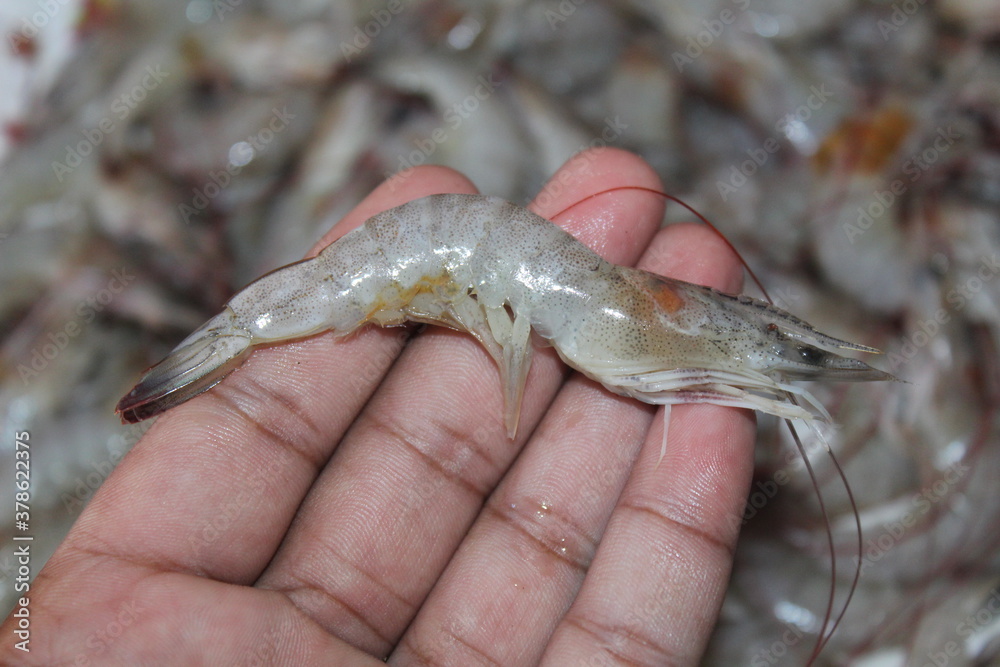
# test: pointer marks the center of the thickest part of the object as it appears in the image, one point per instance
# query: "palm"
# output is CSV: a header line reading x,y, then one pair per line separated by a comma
x,y
336,502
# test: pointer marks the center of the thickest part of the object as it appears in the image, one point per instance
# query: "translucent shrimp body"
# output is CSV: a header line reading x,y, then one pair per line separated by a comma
x,y
491,268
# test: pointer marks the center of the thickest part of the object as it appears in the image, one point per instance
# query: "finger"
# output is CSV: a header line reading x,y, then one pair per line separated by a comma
x,y
655,587
528,553
384,520
213,485
180,619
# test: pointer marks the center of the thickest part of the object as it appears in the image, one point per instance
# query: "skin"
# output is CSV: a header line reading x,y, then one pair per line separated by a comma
x,y
347,502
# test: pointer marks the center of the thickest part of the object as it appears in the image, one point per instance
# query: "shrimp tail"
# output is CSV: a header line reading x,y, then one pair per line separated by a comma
x,y
194,366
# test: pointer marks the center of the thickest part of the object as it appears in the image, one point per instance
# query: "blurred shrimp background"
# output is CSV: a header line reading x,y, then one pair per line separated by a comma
x,y
157,156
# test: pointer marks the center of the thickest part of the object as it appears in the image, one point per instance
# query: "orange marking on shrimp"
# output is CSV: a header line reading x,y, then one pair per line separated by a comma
x,y
665,296
397,296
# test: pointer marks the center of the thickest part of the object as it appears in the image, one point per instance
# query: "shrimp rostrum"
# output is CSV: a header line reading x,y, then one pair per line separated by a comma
x,y
497,271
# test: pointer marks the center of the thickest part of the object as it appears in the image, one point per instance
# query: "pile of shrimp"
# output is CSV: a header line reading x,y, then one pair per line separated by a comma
x,y
848,149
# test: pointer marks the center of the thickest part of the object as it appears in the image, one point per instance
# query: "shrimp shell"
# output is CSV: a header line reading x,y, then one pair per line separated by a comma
x,y
497,271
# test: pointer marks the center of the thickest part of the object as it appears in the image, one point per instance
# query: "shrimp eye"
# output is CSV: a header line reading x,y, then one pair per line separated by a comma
x,y
810,355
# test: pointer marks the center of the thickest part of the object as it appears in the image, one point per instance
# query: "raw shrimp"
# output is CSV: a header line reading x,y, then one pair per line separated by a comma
x,y
488,267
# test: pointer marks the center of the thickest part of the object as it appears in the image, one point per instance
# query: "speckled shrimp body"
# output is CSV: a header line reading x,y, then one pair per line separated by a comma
x,y
483,265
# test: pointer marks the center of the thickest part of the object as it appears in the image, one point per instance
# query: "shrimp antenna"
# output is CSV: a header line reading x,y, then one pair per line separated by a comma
x,y
829,537
824,635
857,568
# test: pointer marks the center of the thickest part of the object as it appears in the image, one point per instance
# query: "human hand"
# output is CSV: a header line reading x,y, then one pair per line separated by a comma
x,y
343,501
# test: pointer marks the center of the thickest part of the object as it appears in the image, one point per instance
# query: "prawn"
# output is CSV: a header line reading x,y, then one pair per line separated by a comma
x,y
493,269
